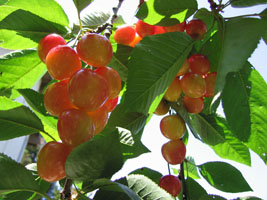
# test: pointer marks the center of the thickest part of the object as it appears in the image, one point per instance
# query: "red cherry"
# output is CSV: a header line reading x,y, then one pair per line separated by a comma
x,y
111,104
199,64
196,28
210,80
174,152
174,91
171,184
143,29
172,127
176,28
193,105
124,35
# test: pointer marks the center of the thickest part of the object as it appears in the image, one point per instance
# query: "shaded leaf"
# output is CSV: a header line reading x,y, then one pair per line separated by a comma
x,y
246,3
95,19
211,197
150,173
194,189
81,4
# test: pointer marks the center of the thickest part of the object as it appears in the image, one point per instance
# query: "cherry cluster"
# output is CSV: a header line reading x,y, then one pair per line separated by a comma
x,y
80,97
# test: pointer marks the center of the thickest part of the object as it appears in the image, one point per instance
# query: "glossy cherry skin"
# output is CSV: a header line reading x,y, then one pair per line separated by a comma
x,y
162,109
199,64
56,98
113,79
51,161
184,69
125,35
111,104
171,184
193,85
174,152
210,80
193,105
159,30
196,28
174,91
75,127
136,40
176,28
143,29
47,43
62,62
172,127
88,90
95,50
100,118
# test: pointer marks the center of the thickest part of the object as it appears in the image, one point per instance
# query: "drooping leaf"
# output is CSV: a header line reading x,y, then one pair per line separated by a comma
x,y
166,12
17,120
153,65
42,8
95,19
26,29
211,197
81,4
20,69
100,157
150,173
36,102
248,198
240,38
194,189
15,177
246,3
224,177
190,168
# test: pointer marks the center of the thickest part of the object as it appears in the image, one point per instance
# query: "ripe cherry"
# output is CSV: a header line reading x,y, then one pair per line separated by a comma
x,y
143,29
162,108
111,104
100,118
159,30
95,50
196,28
51,161
136,40
174,152
210,80
113,79
88,90
75,127
124,35
56,98
62,61
174,91
172,127
193,85
171,184
199,64
193,105
184,69
176,28
47,43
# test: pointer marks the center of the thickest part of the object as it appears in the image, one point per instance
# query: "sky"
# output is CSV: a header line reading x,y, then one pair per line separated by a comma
x,y
256,175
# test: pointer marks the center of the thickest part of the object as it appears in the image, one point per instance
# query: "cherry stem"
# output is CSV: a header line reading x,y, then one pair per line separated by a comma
x,y
65,194
181,177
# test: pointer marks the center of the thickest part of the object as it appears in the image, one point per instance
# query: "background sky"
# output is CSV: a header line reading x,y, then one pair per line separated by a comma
x,y
256,175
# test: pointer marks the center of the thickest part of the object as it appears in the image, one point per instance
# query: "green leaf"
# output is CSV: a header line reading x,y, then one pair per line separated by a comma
x,y
240,38
17,120
42,8
95,19
248,198
166,12
3,2
81,4
100,157
232,148
190,168
149,173
224,177
246,3
15,177
36,102
26,29
194,189
20,69
153,65
211,197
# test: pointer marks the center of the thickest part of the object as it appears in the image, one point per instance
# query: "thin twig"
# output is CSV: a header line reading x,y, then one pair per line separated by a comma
x,y
181,177
66,192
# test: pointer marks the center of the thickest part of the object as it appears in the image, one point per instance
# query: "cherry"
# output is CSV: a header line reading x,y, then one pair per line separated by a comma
x,y
100,118
174,91
95,50
171,184
136,40
111,104
210,80
176,28
193,105
47,43
143,29
159,30
56,98
172,127
199,64
174,152
124,35
196,28
193,85
162,108
51,161
62,61
184,69
88,90
113,79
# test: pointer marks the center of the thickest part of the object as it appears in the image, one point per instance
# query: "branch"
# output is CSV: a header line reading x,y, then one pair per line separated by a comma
x,y
66,192
181,177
